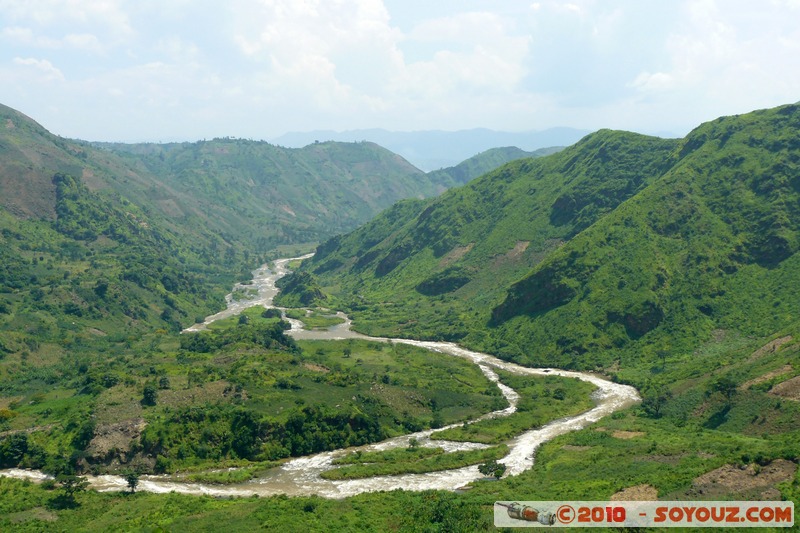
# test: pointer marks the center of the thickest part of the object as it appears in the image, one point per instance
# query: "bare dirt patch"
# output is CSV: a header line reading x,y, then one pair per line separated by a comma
x,y
10,124
111,440
770,347
316,368
208,392
92,181
785,369
789,389
8,400
37,513
512,255
455,254
751,481
518,249
636,493
627,434
170,208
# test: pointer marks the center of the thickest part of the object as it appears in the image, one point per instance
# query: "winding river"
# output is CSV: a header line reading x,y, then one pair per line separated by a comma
x,y
301,476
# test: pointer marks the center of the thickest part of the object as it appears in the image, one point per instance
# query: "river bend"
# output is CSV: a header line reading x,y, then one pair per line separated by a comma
x,y
301,476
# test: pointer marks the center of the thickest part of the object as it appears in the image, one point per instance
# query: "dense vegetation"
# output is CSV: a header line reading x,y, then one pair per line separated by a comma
x,y
246,195
241,391
541,400
268,195
671,265
615,252
412,460
435,269
482,163
668,264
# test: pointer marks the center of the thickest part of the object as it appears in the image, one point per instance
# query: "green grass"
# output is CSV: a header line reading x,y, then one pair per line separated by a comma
x,y
412,463
240,391
397,455
315,318
542,400
238,472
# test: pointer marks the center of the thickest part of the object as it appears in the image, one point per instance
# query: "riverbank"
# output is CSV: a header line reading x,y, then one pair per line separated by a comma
x,y
302,476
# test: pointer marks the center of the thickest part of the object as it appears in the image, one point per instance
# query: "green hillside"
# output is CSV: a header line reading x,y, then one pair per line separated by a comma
x,y
482,163
267,195
668,264
709,246
620,244
671,265
254,193
172,226
437,268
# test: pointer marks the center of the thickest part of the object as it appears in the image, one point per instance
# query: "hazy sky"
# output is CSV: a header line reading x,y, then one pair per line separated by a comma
x,y
186,70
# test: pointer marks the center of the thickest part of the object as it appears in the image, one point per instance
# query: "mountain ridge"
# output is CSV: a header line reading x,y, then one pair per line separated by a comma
x,y
432,150
434,256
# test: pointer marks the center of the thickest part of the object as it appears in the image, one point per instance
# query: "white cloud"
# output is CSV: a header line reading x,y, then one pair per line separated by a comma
x,y
659,81
260,67
84,41
109,14
725,63
44,67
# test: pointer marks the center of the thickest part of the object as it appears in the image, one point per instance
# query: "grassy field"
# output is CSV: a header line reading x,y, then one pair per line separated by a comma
x,y
315,318
542,399
412,461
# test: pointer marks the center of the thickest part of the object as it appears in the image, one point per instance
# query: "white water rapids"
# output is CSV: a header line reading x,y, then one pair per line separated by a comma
x,y
301,476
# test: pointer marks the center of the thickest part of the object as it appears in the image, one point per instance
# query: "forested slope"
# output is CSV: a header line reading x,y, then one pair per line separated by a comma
x,y
482,163
619,245
711,245
442,265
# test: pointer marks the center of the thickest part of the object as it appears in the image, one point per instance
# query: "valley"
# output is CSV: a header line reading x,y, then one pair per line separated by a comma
x,y
305,475
353,392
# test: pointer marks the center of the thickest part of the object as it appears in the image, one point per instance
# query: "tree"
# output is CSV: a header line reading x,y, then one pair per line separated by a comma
x,y
71,485
725,386
654,400
132,479
149,394
492,468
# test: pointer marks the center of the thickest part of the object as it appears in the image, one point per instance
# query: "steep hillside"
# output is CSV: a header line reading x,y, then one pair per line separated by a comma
x,y
142,237
269,195
482,163
711,246
250,194
617,252
29,157
438,267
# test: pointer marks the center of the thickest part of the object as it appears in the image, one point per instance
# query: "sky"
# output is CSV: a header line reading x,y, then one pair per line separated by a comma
x,y
168,70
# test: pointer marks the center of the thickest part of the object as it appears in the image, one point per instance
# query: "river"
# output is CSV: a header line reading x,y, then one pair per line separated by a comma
x,y
301,476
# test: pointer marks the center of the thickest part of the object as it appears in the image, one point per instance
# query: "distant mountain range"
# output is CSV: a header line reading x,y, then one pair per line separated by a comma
x,y
431,150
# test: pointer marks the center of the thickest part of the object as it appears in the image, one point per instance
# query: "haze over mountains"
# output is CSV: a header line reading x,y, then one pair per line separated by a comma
x,y
431,150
